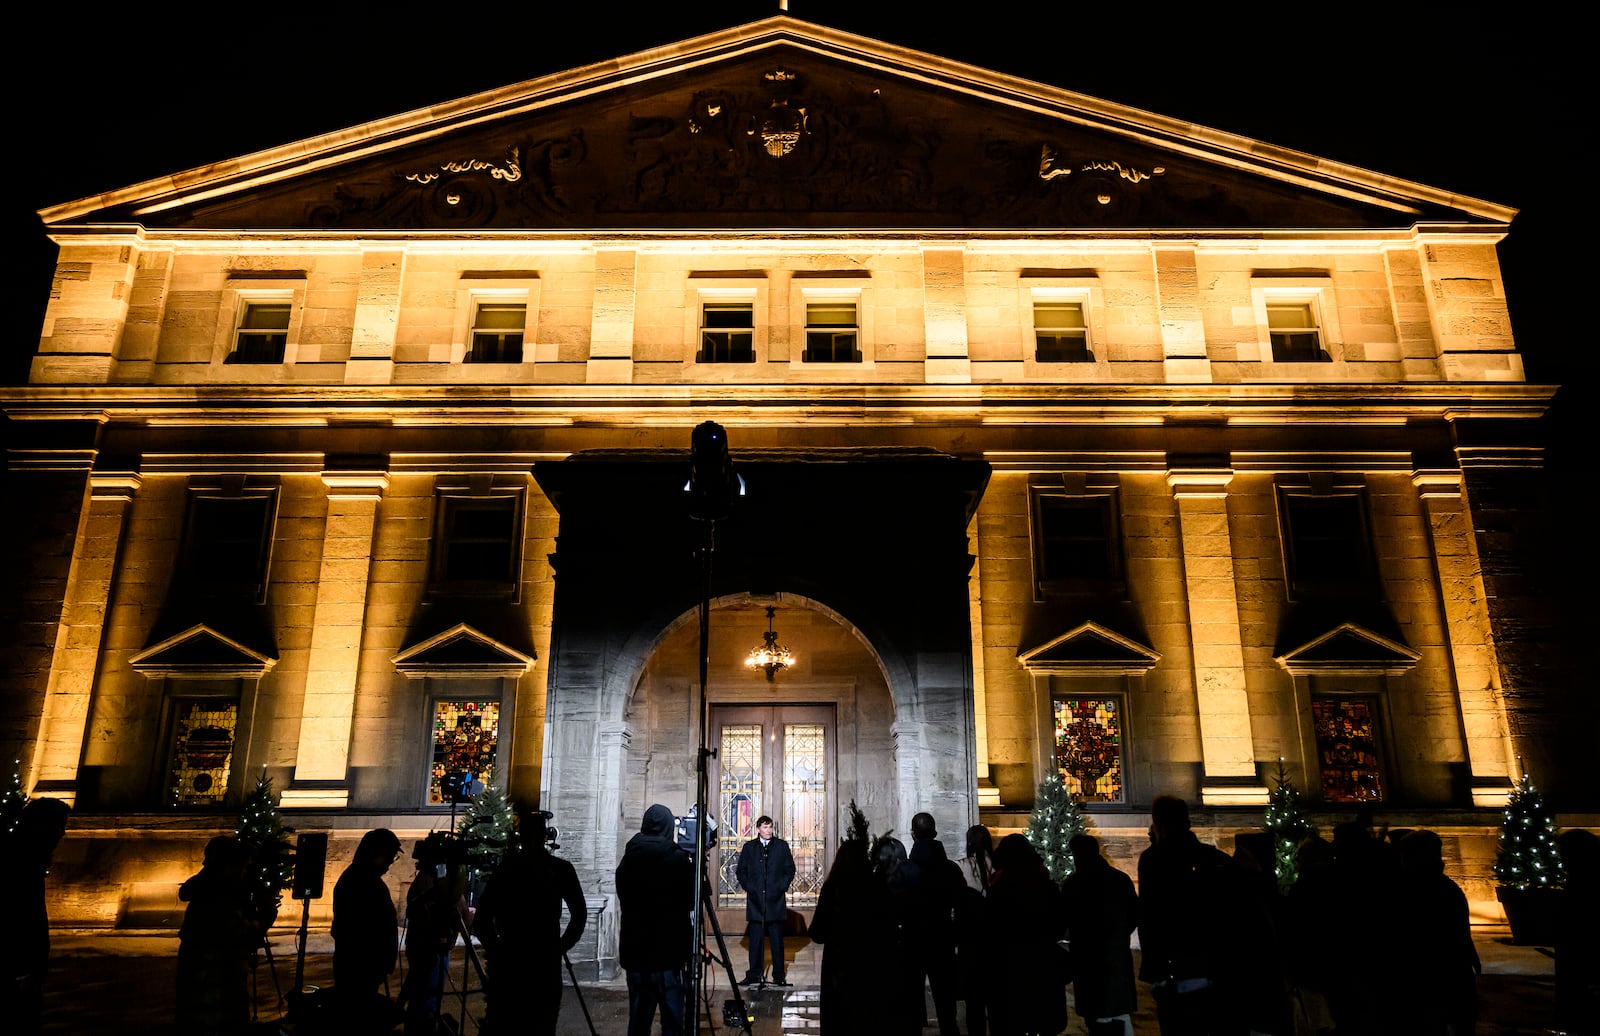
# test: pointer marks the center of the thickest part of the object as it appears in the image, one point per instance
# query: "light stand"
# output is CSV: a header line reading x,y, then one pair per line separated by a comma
x,y
713,486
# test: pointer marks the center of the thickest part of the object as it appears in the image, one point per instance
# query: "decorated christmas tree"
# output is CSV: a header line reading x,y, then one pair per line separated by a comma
x,y
262,832
1056,819
1286,822
1528,856
486,831
14,799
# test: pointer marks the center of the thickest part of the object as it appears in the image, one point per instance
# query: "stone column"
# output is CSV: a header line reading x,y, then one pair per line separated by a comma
x,y
376,320
79,635
1183,333
944,309
1227,749
323,755
611,330
1472,649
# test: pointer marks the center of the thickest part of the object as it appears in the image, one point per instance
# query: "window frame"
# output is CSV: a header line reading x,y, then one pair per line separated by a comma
x,y
1314,291
1081,303
194,575
485,691
236,303
1106,498
447,497
481,288
835,298
1082,287
1375,699
1361,581
831,287
709,298
1061,689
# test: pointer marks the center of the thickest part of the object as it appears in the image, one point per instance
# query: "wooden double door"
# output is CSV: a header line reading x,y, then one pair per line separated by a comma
x,y
779,761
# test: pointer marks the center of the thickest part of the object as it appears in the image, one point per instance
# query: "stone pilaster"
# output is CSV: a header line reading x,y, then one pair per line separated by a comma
x,y
944,310
323,755
1472,649
83,325
1227,748
1183,333
79,635
376,320
611,329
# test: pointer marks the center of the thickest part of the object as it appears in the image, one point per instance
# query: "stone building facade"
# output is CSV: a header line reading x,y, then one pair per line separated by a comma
x,y
1074,440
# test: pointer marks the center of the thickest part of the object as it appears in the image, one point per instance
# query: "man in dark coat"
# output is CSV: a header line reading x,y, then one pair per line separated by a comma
x,y
25,947
655,889
1102,912
939,884
766,867
519,923
366,934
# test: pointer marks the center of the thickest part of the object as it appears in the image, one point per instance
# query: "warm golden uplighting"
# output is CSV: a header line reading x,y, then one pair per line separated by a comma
x,y
770,656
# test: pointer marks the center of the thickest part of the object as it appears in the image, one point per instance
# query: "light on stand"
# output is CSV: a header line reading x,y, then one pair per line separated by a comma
x,y
771,656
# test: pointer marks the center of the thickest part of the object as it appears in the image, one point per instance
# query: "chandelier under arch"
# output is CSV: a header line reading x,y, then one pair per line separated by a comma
x,y
770,656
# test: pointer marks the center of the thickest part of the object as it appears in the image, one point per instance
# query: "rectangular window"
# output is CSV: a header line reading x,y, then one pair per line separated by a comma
x,y
262,332
1295,333
466,738
227,543
1347,749
1077,546
832,333
1327,550
727,332
497,330
1088,739
202,750
1061,334
477,544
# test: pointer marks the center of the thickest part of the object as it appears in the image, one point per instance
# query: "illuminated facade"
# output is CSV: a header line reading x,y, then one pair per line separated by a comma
x,y
1075,439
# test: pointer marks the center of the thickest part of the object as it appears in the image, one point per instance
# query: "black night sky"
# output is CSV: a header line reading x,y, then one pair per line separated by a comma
x,y
1484,107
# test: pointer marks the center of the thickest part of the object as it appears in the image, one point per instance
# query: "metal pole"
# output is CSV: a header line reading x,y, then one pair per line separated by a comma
x,y
702,783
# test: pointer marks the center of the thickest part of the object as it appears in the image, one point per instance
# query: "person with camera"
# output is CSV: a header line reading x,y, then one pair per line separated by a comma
x,y
655,889
766,868
436,906
519,923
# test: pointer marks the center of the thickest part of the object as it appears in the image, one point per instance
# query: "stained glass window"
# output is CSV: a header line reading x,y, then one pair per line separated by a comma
x,y
466,734
1347,749
202,750
1089,747
805,804
738,803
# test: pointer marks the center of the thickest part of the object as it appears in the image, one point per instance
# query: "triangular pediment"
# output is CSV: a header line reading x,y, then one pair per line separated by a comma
x,y
1090,649
201,651
462,651
1350,650
776,125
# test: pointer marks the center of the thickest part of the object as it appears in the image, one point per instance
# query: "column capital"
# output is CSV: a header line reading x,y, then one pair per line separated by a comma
x,y
1437,483
113,485
356,485
1200,482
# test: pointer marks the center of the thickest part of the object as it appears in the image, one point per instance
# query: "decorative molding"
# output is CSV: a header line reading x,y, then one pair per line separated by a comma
x,y
201,651
1090,649
463,652
510,172
1349,650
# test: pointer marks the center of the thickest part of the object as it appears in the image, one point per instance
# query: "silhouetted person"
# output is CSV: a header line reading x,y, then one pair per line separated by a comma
x,y
1028,980
852,925
655,890
366,933
1187,897
1102,911
1360,977
1578,934
901,1008
215,943
1436,963
25,948
972,924
765,871
934,942
519,923
436,907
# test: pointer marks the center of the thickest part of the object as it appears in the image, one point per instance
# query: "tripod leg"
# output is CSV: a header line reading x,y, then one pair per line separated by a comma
x,y
727,964
585,1007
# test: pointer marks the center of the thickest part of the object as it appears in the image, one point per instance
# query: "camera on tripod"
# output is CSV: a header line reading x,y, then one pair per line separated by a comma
x,y
459,786
687,828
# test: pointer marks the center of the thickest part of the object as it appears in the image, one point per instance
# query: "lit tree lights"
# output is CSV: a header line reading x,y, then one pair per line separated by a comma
x,y
1286,822
14,799
1528,856
262,832
1056,818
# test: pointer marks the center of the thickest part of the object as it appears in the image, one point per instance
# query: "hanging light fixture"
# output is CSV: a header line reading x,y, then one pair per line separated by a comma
x,y
770,656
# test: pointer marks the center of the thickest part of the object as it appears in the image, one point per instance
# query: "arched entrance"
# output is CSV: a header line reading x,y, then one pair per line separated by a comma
x,y
799,748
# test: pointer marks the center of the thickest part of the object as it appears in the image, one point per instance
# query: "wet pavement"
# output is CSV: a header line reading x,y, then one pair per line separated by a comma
x,y
122,983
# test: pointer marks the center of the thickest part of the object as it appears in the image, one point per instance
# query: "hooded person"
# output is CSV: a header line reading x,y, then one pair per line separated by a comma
x,y
366,933
215,943
655,890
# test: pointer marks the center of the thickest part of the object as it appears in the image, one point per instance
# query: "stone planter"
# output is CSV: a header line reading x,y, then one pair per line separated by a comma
x,y
1531,913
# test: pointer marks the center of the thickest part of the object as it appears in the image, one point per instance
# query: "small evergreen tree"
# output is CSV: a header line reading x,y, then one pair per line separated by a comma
x,y
262,832
1286,822
1056,819
14,799
1528,856
486,830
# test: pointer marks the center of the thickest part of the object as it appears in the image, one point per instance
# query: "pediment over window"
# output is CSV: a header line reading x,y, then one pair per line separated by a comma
x,y
1350,650
202,651
462,651
1090,650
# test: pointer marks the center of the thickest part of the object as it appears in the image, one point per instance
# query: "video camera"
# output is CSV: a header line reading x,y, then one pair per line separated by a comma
x,y
539,818
459,786
686,830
